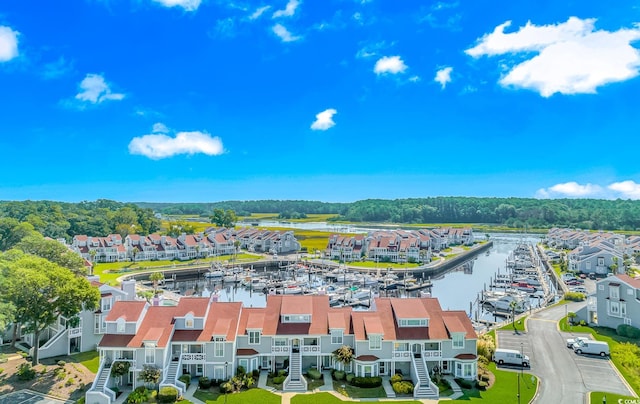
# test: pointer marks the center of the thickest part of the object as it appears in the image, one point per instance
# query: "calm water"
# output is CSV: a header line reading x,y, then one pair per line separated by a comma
x,y
455,290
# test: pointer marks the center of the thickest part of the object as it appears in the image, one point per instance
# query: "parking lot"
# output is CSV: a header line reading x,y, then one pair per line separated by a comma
x,y
29,397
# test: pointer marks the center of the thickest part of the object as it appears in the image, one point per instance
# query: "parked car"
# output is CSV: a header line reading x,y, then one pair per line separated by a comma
x,y
583,276
510,357
572,341
592,347
592,275
578,289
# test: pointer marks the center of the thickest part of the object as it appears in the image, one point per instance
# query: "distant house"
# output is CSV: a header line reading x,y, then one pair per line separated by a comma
x,y
597,257
618,301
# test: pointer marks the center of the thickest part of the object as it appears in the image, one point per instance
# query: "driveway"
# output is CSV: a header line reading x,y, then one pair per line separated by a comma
x,y
564,376
29,397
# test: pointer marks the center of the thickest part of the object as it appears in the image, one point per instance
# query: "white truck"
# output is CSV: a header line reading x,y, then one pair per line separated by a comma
x,y
576,340
592,347
510,357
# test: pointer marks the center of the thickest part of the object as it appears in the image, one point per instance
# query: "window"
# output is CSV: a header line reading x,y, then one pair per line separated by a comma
x,y
97,322
630,292
458,340
219,346
375,341
587,265
280,342
106,304
614,309
623,309
401,346
188,321
120,325
254,337
413,322
600,261
614,292
149,354
299,318
600,287
336,336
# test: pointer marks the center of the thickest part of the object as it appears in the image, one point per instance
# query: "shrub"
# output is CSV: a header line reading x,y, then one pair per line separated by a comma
x,y
574,296
61,363
120,368
69,382
486,346
255,373
26,372
168,394
349,377
279,379
367,382
137,396
282,372
403,387
628,331
1,370
186,379
396,378
204,382
59,373
338,375
314,374
241,371
464,383
482,385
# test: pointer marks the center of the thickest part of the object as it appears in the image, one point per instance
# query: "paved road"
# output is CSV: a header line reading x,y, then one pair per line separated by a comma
x,y
29,397
564,376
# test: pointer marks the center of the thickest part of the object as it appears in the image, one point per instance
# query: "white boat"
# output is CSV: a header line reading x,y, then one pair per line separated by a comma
x,y
216,274
231,279
255,284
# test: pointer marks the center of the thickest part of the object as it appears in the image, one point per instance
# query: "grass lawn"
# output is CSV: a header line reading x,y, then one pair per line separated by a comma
x,y
504,390
620,359
597,396
326,398
358,392
313,384
90,360
247,396
519,325
381,265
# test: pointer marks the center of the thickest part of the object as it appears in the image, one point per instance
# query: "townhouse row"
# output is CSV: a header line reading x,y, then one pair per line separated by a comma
x,y
203,337
397,245
212,242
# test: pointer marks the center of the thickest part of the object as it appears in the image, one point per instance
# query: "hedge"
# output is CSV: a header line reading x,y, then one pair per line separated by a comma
x,y
367,382
402,387
279,379
168,394
628,331
314,374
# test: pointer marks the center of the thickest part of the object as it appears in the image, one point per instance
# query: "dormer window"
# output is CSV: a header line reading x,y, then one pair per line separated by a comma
x,y
296,318
120,325
254,337
614,291
188,321
413,322
457,339
375,341
336,336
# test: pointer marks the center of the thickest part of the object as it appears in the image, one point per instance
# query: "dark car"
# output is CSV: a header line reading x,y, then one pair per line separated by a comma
x,y
592,275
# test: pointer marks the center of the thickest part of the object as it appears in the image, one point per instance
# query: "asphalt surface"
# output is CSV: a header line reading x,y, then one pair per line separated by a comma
x,y
565,377
29,397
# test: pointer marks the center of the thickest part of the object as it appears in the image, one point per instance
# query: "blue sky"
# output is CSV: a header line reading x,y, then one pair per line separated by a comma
x,y
337,100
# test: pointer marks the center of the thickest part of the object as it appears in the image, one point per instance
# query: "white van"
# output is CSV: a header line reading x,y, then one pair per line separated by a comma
x,y
510,357
592,347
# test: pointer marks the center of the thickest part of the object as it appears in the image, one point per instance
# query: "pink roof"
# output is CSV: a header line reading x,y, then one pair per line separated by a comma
x,y
633,282
128,309
196,305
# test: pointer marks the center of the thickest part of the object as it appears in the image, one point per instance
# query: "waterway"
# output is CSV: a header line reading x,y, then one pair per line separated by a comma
x,y
457,289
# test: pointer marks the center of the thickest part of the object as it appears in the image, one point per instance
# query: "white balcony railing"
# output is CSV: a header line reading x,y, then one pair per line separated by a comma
x,y
406,355
432,354
312,349
280,349
193,357
75,332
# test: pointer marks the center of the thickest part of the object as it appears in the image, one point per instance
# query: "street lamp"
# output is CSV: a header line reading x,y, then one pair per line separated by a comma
x,y
226,387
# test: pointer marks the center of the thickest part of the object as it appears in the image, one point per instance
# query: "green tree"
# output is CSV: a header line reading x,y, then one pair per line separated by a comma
x,y
224,218
150,375
156,277
12,231
53,251
41,291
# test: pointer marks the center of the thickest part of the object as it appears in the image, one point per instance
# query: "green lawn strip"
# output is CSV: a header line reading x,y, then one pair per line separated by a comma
x,y
597,397
328,398
358,392
519,325
90,360
504,390
381,265
248,396
627,363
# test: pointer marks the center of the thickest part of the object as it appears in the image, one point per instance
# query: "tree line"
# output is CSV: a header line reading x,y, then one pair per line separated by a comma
x,y
595,214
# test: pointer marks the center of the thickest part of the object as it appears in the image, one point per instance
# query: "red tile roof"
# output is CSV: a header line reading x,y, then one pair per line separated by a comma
x,y
129,310
222,320
196,305
157,317
634,282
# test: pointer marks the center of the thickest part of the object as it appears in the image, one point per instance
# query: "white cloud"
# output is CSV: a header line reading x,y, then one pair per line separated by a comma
x,y
288,11
8,43
160,128
443,76
373,49
324,120
389,64
187,5
159,146
56,69
259,11
95,90
569,58
414,79
570,189
284,34
628,189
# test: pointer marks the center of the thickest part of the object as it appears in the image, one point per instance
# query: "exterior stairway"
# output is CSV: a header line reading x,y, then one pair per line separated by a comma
x,y
172,373
295,381
425,388
103,378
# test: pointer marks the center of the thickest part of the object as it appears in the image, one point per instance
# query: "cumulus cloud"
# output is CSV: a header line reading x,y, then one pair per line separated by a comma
x,y
570,189
627,189
324,120
289,10
259,11
159,128
159,145
284,33
566,58
94,90
389,65
8,44
187,5
443,76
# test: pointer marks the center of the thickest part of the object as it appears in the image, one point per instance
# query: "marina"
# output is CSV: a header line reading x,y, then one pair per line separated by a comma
x,y
490,286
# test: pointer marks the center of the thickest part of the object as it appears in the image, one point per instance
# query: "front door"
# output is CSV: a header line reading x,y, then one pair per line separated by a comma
x,y
417,350
295,345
